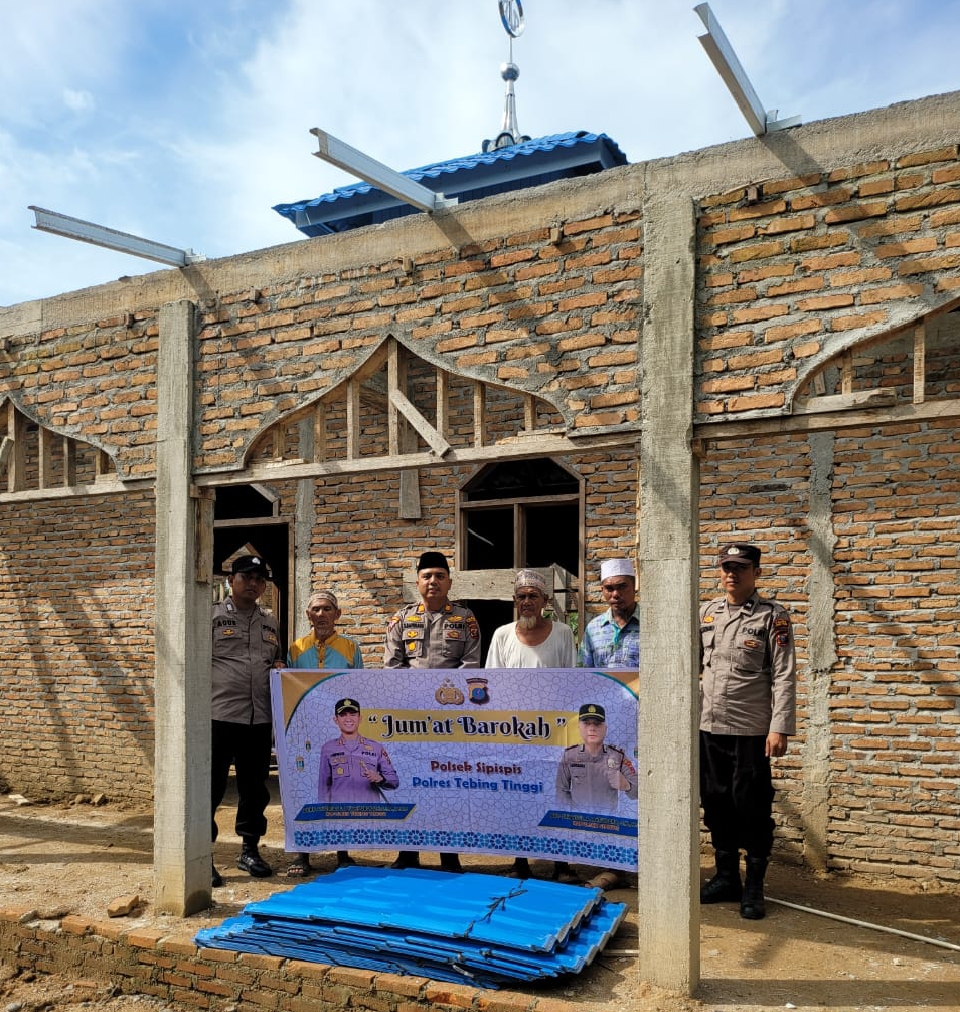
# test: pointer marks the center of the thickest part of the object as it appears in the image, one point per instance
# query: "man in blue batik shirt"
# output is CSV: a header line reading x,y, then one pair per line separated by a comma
x,y
612,640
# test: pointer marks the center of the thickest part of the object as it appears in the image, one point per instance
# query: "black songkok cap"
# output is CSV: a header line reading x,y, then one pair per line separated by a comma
x,y
433,560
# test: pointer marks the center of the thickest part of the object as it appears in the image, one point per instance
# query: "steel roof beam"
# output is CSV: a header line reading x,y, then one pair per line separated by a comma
x,y
723,57
124,242
345,157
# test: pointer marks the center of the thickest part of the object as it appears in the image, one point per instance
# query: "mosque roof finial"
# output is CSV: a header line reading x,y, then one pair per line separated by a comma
x,y
511,17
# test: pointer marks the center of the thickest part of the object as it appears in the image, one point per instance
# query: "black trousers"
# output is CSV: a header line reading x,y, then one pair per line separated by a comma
x,y
247,747
736,792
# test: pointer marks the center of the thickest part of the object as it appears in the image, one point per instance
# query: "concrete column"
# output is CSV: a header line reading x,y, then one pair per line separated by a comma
x,y
821,651
669,650
181,855
305,519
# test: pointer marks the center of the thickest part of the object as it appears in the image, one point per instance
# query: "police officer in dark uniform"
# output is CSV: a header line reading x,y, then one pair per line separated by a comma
x,y
434,633
747,713
246,645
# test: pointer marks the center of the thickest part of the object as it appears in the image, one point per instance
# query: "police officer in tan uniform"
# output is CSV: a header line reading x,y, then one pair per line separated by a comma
x,y
246,645
432,634
591,775
747,713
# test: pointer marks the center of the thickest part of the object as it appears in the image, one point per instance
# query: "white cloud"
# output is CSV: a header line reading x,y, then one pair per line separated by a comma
x,y
78,101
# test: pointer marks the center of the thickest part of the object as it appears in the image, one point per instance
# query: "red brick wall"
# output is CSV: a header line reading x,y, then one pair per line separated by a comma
x,y
76,664
792,272
559,319
791,269
896,689
104,958
95,382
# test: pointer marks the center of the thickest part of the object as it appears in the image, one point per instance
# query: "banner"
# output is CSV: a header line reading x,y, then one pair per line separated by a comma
x,y
469,760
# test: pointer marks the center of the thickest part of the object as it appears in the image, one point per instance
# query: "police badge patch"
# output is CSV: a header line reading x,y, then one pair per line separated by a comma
x,y
477,691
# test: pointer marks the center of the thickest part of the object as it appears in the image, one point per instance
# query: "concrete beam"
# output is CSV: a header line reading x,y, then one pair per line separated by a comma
x,y
182,848
668,553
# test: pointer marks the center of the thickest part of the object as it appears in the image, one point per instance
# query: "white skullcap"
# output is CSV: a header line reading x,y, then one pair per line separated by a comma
x,y
616,567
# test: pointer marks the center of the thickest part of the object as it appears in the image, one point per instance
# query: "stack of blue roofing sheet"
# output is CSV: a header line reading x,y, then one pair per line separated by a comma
x,y
473,928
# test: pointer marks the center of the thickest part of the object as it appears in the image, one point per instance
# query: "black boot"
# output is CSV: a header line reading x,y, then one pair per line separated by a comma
x,y
250,860
752,906
725,885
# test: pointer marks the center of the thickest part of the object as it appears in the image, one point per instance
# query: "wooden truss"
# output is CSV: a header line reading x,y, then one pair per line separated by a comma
x,y
42,463
398,412
892,379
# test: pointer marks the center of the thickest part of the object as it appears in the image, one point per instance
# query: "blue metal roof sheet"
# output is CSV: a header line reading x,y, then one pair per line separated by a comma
x,y
530,163
480,928
482,907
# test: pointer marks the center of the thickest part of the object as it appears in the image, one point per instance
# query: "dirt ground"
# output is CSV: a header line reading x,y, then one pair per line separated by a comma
x,y
77,858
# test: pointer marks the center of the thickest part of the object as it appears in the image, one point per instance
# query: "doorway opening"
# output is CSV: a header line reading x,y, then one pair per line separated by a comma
x,y
246,521
524,513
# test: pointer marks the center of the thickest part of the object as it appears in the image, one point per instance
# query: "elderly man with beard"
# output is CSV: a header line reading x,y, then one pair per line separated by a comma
x,y
322,647
533,641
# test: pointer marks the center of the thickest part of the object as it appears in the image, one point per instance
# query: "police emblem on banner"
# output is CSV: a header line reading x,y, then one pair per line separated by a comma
x,y
448,694
477,690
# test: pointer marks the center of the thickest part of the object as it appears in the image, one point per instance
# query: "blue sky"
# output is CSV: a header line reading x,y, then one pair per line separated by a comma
x,y
185,121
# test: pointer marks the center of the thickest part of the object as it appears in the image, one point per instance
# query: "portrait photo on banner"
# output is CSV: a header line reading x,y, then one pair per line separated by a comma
x,y
538,763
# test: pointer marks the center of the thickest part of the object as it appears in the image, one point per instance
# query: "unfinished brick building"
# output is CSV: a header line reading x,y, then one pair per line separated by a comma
x,y
758,339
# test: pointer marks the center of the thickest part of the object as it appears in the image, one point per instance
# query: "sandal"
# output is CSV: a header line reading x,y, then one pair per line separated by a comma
x,y
300,867
605,880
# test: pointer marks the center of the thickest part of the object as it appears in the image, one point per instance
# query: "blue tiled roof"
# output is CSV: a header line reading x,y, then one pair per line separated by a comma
x,y
529,163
